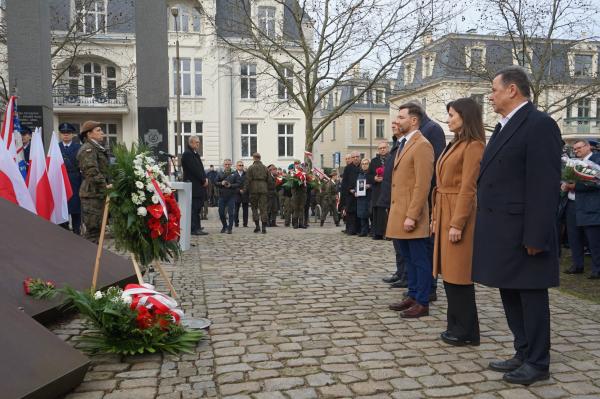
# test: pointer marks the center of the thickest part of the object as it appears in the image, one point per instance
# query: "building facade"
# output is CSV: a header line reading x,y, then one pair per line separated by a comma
x,y
462,65
361,128
230,100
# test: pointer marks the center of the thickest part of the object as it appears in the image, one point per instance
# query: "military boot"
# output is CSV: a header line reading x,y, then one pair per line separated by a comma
x,y
295,222
322,223
264,228
257,228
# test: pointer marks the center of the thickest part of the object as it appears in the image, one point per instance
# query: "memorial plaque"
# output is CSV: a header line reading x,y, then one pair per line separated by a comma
x,y
31,116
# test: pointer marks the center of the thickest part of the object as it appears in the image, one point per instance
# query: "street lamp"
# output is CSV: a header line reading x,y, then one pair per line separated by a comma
x,y
178,138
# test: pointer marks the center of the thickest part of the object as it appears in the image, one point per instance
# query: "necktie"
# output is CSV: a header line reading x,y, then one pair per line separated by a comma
x,y
496,132
400,147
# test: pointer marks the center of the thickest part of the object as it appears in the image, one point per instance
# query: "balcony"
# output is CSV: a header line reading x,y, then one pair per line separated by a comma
x,y
67,100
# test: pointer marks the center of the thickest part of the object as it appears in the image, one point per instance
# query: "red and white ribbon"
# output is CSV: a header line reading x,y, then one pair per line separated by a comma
x,y
159,193
144,295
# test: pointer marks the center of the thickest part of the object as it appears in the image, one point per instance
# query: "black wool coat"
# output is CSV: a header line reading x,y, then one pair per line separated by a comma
x,y
375,186
517,203
193,171
349,183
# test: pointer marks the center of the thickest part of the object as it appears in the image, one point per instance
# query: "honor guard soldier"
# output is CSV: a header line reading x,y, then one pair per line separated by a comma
x,y
93,163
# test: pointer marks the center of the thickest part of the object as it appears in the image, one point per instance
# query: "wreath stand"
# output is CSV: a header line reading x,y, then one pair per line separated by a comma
x,y
136,267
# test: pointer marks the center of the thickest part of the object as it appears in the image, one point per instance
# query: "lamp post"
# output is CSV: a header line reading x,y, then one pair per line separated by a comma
x,y
178,137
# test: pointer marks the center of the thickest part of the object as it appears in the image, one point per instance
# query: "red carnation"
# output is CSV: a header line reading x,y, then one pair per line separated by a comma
x,y
379,171
144,318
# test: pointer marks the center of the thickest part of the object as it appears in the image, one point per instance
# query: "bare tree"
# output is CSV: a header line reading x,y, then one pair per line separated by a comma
x,y
312,47
551,39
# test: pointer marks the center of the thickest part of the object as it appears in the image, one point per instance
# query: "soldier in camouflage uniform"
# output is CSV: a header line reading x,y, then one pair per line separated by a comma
x,y
272,199
256,185
327,200
298,203
93,163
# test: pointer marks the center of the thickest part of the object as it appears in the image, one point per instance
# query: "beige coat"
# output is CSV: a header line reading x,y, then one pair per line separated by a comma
x,y
411,182
455,202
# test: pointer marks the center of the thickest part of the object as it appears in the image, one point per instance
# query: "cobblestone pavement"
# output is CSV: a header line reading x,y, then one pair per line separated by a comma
x,y
303,314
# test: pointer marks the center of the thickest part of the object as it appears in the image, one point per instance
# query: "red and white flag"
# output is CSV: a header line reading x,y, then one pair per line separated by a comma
x,y
37,177
59,182
159,193
8,126
12,185
308,155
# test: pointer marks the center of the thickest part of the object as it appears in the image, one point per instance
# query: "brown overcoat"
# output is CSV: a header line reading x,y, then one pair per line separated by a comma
x,y
455,202
410,185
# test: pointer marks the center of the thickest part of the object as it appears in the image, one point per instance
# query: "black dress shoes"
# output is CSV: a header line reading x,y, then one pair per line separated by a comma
x,y
573,270
450,339
526,375
505,366
399,284
199,233
392,279
224,230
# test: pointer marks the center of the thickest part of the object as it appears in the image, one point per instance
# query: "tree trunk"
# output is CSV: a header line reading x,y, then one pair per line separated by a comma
x,y
308,142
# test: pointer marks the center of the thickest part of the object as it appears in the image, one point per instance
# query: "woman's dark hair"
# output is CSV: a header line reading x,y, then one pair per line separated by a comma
x,y
470,112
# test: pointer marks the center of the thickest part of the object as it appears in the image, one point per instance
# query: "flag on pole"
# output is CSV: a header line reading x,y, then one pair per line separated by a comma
x,y
12,185
20,159
8,126
59,182
159,193
37,177
308,155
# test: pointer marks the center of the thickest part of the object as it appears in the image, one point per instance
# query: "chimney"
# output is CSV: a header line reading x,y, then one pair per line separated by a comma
x,y
427,37
472,31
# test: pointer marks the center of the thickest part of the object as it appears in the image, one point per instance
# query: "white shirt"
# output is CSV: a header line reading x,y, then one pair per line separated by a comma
x,y
505,120
571,194
408,136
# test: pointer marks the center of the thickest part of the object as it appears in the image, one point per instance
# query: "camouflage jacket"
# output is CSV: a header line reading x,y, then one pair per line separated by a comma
x,y
93,163
256,178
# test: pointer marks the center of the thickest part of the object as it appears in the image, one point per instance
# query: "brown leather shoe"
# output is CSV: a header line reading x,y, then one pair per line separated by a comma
x,y
405,304
416,311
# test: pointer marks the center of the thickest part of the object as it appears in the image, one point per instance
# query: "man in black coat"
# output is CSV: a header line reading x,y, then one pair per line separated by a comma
x,y
516,247
193,171
349,189
375,180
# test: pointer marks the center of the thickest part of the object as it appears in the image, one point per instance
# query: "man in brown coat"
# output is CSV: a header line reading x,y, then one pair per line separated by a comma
x,y
408,219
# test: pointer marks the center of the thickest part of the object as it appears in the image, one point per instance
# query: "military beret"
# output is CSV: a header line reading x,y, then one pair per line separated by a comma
x,y
66,128
87,127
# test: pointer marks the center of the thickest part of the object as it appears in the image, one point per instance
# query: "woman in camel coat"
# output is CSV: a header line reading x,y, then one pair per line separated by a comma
x,y
453,219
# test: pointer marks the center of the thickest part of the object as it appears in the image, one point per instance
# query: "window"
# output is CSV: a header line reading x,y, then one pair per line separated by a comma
x,y
248,80
333,131
409,72
249,139
198,77
92,79
361,128
282,89
112,136
583,65
478,98
266,20
285,140
185,77
428,61
476,58
188,20
360,99
583,108
111,82
186,132
90,16
73,80
379,95
379,128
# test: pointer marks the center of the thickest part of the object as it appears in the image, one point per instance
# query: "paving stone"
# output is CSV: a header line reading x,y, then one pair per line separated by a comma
x,y
317,380
448,392
244,387
304,393
139,393
281,384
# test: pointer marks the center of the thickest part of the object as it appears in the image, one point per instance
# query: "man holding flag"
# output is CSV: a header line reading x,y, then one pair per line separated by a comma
x,y
69,150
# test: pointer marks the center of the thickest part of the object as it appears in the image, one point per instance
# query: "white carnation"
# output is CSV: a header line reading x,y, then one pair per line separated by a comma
x,y
167,190
98,295
136,199
126,299
141,211
150,187
139,185
155,199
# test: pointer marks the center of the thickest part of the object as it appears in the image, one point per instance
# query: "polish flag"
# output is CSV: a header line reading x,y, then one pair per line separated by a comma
x,y
159,193
59,182
12,185
37,177
308,155
8,126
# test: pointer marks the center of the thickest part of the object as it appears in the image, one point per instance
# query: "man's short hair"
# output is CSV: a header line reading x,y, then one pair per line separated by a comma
x,y
413,109
516,75
256,155
191,139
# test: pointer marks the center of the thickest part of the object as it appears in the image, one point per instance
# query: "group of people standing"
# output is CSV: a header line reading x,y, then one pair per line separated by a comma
x,y
490,215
